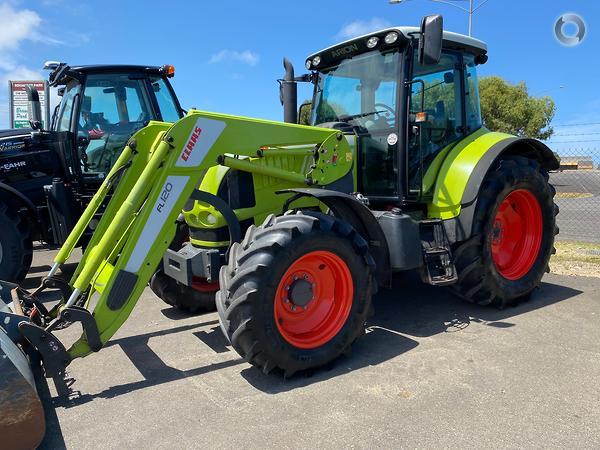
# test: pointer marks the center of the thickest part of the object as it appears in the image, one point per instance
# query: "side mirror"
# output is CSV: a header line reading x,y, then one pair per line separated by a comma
x,y
34,110
304,113
430,42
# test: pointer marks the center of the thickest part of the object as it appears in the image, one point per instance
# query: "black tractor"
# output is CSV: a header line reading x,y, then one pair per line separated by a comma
x,y
48,176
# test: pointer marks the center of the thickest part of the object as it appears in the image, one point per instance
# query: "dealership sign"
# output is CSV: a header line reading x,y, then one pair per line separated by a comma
x,y
19,116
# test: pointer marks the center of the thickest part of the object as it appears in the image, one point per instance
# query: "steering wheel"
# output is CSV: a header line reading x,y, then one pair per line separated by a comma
x,y
391,119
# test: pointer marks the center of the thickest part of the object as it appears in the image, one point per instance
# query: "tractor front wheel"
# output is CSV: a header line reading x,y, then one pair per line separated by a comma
x,y
296,292
195,299
513,235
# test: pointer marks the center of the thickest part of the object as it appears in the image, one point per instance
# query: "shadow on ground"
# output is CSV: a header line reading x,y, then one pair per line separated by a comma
x,y
410,310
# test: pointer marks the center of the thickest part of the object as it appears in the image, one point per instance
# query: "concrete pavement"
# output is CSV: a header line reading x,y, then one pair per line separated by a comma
x,y
432,371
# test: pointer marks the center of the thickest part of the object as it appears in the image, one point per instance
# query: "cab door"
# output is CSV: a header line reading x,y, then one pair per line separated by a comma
x,y
436,120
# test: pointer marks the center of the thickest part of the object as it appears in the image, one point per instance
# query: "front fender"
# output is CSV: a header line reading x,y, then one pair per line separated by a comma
x,y
349,209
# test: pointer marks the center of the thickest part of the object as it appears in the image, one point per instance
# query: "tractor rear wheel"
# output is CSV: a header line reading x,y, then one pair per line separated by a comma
x,y
296,292
513,235
16,247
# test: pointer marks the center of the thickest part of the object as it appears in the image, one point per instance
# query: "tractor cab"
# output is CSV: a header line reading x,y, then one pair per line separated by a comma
x,y
408,94
102,106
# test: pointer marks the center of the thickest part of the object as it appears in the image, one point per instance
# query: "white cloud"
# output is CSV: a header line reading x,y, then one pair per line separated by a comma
x,y
228,56
16,27
360,27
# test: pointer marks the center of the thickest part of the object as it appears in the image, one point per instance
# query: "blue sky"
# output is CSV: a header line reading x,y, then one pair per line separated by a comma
x,y
228,53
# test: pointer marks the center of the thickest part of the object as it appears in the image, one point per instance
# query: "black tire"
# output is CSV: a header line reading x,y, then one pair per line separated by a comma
x,y
479,280
176,294
180,296
250,281
16,247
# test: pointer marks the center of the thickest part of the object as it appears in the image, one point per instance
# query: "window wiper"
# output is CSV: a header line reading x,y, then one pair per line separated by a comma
x,y
347,118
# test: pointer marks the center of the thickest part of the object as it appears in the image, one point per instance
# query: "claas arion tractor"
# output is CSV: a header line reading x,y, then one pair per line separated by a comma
x,y
291,229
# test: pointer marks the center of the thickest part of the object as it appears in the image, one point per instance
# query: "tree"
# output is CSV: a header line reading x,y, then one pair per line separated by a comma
x,y
510,109
328,112
305,112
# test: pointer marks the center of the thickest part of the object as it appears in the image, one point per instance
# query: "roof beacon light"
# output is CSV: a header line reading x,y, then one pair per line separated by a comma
x,y
168,70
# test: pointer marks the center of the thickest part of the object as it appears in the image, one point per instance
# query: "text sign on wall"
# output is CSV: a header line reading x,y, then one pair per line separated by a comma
x,y
19,117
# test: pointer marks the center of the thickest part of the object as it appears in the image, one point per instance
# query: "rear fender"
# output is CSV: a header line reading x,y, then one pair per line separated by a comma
x,y
462,173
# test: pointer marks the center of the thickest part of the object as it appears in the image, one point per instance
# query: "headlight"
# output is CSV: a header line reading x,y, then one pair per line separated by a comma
x,y
372,42
308,64
390,38
316,61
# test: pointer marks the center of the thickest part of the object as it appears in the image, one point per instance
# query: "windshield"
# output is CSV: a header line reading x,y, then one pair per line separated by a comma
x,y
361,90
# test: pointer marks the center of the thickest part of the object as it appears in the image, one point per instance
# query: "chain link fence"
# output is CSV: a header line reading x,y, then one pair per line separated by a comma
x,y
577,184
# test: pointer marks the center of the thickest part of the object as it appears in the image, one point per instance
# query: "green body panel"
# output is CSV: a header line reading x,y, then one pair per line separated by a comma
x,y
448,175
293,161
132,241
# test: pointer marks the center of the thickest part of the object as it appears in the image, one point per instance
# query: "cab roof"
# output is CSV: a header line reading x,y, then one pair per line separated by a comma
x,y
450,40
102,68
62,72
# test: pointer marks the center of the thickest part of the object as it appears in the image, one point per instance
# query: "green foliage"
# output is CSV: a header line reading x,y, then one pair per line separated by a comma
x,y
305,112
328,112
510,109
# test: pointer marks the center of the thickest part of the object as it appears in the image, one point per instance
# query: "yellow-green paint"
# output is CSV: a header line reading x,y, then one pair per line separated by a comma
x,y
455,167
134,206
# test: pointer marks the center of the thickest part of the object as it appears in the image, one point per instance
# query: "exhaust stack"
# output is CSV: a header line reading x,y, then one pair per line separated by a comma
x,y
288,93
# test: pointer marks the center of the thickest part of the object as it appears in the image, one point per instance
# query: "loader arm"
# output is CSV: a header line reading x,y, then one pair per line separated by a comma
x,y
140,220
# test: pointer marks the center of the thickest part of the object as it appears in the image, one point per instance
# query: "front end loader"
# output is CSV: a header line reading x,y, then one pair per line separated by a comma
x,y
291,229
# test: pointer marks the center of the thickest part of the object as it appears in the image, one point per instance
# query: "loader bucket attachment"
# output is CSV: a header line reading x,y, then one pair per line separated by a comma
x,y
22,423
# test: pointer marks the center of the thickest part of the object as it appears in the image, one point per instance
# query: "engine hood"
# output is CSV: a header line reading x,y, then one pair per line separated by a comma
x,y
13,140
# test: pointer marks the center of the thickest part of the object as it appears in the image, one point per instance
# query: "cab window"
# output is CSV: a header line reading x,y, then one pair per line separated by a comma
x,y
65,111
166,103
472,94
435,119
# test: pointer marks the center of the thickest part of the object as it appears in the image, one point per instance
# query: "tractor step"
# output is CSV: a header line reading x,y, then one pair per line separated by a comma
x,y
439,266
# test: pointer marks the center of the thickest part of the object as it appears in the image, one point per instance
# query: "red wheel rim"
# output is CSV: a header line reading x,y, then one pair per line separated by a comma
x,y
313,299
202,285
517,234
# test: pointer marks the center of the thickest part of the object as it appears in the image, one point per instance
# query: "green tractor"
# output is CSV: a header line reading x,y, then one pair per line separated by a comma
x,y
293,228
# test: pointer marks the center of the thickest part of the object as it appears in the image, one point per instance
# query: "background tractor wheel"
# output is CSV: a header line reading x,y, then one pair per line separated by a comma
x,y
513,235
199,298
296,292
16,248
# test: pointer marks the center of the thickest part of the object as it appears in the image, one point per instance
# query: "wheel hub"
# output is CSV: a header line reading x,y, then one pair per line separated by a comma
x,y
516,234
300,292
313,299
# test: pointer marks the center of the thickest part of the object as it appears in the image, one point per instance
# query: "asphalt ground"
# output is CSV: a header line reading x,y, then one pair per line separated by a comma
x,y
431,371
579,218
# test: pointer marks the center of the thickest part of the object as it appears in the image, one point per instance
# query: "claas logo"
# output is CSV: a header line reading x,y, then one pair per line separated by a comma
x,y
187,151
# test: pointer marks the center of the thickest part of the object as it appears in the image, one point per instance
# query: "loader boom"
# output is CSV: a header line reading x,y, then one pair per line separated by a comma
x,y
166,167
